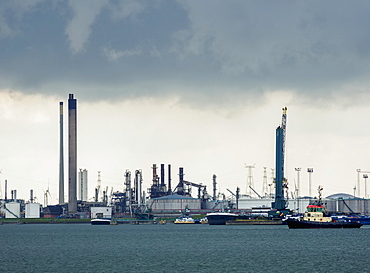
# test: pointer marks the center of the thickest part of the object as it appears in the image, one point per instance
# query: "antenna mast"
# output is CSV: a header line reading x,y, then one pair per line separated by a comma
x,y
264,185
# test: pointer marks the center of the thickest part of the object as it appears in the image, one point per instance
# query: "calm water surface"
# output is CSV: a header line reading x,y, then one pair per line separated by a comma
x,y
181,248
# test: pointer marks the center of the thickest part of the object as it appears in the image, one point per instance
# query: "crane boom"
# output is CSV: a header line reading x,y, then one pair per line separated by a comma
x,y
283,126
255,192
231,192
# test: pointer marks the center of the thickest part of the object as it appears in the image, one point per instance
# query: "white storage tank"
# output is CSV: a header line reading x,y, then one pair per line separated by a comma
x,y
174,202
12,210
32,210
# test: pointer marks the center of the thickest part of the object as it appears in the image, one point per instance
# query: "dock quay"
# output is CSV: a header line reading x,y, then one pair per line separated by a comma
x,y
254,222
136,222
75,221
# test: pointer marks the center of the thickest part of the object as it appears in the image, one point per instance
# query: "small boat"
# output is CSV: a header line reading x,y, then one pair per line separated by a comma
x,y
103,222
291,217
316,217
220,218
204,220
184,220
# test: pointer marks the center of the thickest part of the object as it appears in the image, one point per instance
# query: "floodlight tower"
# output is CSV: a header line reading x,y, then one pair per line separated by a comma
x,y
358,182
310,171
298,170
264,185
365,176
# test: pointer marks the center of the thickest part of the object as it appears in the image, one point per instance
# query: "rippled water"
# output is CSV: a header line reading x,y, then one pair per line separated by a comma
x,y
181,248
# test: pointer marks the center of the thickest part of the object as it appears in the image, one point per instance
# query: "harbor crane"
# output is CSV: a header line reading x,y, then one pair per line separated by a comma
x,y
280,203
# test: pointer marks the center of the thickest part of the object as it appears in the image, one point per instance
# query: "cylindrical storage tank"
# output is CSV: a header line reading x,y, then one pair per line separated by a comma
x,y
12,210
32,210
174,203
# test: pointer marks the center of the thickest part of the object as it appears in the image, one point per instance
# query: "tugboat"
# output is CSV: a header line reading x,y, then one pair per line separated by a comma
x,y
316,217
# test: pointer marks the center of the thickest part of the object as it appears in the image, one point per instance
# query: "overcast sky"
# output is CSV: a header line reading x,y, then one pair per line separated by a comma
x,y
195,84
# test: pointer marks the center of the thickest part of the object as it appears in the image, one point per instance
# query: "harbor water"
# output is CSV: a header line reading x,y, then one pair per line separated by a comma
x,y
181,248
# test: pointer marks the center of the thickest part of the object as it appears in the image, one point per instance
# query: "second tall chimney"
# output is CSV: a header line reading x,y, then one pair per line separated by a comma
x,y
61,156
72,156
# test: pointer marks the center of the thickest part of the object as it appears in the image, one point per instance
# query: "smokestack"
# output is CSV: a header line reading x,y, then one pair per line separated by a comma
x,y
169,179
72,154
155,176
237,197
162,175
180,187
31,196
6,190
181,175
61,156
96,194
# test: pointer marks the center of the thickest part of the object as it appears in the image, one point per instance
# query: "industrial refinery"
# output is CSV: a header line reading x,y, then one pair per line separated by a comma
x,y
168,196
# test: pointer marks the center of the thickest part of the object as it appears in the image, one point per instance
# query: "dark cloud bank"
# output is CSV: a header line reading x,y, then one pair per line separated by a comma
x,y
113,49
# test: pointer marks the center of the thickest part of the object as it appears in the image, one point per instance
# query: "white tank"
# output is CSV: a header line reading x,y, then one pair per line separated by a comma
x,y
32,210
174,202
12,210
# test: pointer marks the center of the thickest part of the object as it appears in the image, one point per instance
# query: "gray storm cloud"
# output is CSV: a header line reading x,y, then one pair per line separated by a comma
x,y
206,48
79,28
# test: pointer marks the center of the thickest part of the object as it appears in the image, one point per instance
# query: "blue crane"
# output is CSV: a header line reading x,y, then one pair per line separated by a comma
x,y
280,182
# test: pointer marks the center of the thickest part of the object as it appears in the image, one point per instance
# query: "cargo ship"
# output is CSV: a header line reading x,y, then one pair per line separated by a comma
x,y
220,218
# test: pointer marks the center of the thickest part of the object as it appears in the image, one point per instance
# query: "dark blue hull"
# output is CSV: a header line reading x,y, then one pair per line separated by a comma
x,y
100,222
311,224
220,219
362,220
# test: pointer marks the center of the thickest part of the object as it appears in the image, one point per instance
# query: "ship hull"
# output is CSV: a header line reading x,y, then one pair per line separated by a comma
x,y
311,224
100,222
220,218
365,220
